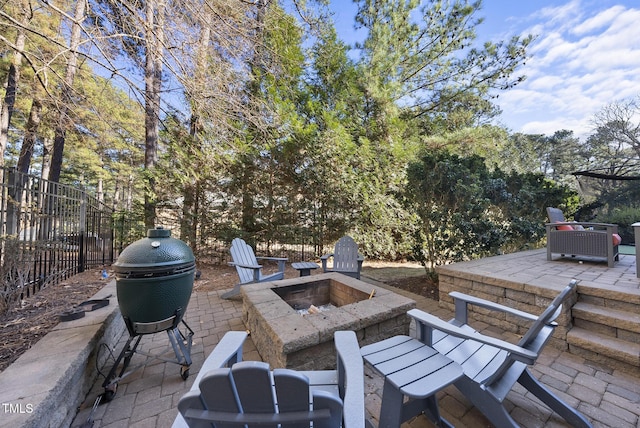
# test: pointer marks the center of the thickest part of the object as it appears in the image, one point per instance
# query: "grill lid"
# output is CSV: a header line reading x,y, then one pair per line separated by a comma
x,y
156,255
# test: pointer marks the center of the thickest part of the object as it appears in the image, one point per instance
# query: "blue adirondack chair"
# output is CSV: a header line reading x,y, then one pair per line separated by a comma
x,y
229,392
246,264
492,366
346,259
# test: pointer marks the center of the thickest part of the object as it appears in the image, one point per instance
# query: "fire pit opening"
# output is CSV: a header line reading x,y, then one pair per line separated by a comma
x,y
285,338
324,293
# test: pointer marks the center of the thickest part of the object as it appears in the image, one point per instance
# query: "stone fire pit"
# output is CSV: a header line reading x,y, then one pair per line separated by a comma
x,y
286,338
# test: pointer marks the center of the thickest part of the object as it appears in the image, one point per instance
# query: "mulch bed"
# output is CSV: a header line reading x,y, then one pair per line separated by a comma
x,y
22,326
419,285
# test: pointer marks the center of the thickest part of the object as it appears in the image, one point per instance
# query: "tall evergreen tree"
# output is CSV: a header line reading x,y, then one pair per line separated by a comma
x,y
13,76
425,55
66,90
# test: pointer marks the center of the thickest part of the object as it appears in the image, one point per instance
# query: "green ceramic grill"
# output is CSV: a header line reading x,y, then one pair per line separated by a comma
x,y
154,280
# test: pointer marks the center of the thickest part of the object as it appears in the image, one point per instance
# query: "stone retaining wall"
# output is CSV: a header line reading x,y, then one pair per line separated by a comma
x,y
44,387
525,297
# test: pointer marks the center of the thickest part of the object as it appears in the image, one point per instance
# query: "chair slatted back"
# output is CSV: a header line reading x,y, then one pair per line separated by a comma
x,y
249,394
345,255
534,340
242,253
548,316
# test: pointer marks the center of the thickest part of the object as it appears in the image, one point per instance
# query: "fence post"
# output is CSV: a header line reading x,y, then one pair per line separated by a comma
x,y
636,231
14,189
82,259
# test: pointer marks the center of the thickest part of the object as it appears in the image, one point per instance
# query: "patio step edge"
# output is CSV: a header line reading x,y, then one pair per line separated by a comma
x,y
609,317
614,353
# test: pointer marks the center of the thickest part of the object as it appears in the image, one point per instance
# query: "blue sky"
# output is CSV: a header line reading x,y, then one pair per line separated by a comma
x,y
586,55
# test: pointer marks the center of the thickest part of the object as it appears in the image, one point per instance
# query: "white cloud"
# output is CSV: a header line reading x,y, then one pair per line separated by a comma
x,y
599,21
581,61
560,17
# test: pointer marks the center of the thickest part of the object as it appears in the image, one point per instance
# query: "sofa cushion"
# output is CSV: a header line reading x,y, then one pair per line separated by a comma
x,y
564,226
617,240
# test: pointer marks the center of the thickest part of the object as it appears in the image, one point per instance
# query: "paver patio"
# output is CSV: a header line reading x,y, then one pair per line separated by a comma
x,y
149,396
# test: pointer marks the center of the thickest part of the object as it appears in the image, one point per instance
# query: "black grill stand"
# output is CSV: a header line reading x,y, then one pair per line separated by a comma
x,y
180,342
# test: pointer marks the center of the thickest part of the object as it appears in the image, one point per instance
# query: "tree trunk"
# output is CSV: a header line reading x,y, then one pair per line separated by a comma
x,y
154,40
256,64
12,85
29,140
67,88
189,226
100,191
47,146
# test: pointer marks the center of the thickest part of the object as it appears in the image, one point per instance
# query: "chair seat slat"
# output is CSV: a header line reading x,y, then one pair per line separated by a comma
x,y
400,350
385,344
321,377
425,377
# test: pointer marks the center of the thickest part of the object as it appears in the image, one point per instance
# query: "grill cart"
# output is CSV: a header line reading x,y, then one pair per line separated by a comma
x,y
154,281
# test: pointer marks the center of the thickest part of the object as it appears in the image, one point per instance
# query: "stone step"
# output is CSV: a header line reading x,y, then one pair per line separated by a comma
x,y
609,351
618,298
611,322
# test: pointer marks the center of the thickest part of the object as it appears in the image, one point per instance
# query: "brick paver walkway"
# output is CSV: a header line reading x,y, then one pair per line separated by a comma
x,y
148,397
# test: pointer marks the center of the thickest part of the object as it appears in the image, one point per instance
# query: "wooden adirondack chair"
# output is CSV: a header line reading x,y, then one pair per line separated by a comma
x,y
492,366
246,264
248,394
346,259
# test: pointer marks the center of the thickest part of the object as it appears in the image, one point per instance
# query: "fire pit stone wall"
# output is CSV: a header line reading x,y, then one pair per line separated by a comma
x,y
285,338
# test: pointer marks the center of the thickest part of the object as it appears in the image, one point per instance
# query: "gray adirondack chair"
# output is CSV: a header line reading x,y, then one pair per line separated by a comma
x,y
246,264
581,239
346,259
492,366
229,392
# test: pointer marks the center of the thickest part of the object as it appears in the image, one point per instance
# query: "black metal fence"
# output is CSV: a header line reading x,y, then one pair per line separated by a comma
x,y
48,232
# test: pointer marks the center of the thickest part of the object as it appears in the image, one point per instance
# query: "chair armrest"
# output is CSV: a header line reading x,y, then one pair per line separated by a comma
x,y
279,259
350,369
245,266
428,322
226,353
583,224
324,259
463,300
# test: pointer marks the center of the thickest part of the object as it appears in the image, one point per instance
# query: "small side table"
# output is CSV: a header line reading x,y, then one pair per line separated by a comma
x,y
413,369
304,267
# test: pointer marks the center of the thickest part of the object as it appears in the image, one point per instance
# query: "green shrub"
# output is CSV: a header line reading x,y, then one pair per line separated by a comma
x,y
624,217
467,211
